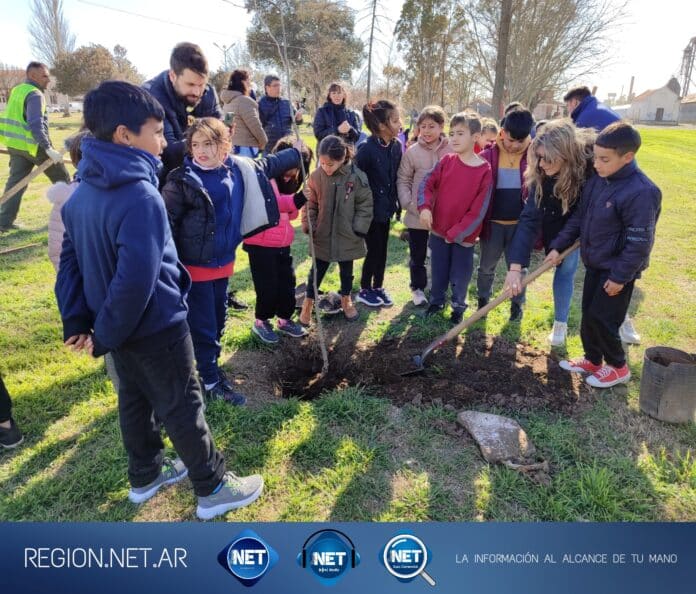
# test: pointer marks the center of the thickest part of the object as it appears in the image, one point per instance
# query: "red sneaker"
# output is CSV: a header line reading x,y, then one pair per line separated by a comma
x,y
609,376
581,365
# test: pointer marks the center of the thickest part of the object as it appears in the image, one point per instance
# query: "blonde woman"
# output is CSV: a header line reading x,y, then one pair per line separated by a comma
x,y
559,162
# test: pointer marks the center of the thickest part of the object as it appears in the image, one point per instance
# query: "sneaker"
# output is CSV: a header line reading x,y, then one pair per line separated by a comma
x,y
558,334
482,302
418,298
580,365
233,492
223,391
290,328
628,333
369,297
516,312
12,437
235,303
433,309
609,376
384,296
456,316
264,330
10,227
172,472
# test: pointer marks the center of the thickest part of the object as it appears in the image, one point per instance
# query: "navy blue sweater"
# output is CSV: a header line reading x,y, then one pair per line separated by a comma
x,y
119,273
616,222
381,162
330,116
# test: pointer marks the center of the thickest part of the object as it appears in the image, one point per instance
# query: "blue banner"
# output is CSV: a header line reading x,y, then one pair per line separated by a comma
x,y
366,558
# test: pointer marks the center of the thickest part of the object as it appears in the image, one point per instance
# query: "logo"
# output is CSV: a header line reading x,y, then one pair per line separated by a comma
x,y
248,557
328,555
405,556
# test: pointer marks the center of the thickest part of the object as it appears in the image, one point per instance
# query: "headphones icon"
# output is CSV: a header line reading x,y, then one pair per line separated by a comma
x,y
343,534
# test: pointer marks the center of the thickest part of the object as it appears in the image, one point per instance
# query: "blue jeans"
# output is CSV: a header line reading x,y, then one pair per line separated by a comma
x,y
246,151
207,303
563,282
451,264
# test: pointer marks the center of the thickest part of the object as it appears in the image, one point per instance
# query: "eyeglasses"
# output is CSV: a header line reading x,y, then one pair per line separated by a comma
x,y
545,159
274,85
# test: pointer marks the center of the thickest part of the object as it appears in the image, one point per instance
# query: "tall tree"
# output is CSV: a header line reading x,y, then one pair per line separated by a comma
x,y
49,31
124,68
83,69
10,77
374,33
501,57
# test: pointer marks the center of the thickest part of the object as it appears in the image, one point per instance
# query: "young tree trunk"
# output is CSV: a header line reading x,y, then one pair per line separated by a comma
x,y
369,54
501,57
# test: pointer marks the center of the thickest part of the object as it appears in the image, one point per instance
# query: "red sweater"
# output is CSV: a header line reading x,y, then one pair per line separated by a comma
x,y
458,195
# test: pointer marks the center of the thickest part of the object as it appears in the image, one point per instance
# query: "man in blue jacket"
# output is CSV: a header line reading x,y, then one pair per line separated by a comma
x,y
185,94
586,111
121,289
276,113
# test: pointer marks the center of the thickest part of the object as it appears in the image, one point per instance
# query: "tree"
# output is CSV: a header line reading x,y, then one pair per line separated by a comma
x,y
83,69
373,13
10,77
49,31
501,57
124,68
315,36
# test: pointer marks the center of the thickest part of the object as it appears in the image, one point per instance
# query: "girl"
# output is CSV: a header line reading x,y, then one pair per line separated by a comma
x,y
212,200
339,206
419,159
248,137
559,164
335,118
489,132
379,157
270,259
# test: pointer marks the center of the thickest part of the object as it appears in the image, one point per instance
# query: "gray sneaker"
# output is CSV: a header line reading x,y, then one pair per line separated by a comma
x,y
173,471
234,491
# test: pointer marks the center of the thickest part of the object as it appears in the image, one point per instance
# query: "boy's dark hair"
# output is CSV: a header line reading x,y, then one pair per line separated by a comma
x,y
33,65
335,148
237,79
73,144
114,103
432,112
188,55
337,86
619,136
377,113
518,123
269,79
467,118
287,142
578,93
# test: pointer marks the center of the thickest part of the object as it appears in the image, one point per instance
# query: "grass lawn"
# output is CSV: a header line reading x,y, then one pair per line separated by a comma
x,y
351,455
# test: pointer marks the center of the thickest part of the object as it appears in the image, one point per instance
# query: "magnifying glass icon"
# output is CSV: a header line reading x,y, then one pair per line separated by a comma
x,y
405,556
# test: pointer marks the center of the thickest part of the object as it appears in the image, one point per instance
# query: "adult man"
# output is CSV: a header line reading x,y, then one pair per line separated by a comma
x,y
276,113
185,94
586,111
24,131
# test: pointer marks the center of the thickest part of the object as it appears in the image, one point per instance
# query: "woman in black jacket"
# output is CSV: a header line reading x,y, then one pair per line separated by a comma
x,y
335,118
559,162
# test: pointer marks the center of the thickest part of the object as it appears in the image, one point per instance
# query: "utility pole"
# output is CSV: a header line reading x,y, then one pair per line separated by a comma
x,y
225,49
687,67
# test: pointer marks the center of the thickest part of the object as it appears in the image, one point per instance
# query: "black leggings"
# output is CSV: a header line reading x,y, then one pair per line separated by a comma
x,y
345,269
5,403
376,258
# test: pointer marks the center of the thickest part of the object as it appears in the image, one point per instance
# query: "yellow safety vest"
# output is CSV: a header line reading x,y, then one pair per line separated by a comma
x,y
14,130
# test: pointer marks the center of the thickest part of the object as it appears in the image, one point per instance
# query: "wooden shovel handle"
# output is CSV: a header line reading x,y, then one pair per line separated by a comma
x,y
24,182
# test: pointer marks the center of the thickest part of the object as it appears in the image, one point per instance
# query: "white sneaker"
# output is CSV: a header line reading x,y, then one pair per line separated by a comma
x,y
558,334
628,333
418,297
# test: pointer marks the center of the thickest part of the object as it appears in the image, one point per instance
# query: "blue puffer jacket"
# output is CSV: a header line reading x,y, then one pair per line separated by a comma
x,y
119,274
176,118
590,113
615,222
276,116
381,163
330,116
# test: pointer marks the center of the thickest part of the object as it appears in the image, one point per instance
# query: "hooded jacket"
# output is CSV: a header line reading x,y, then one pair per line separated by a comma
x,y
119,273
248,130
329,116
590,113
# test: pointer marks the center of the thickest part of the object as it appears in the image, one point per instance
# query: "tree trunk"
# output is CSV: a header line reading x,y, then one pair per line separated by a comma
x,y
501,57
369,54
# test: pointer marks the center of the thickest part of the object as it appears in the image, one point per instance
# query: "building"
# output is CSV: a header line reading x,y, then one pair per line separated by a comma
x,y
687,110
658,105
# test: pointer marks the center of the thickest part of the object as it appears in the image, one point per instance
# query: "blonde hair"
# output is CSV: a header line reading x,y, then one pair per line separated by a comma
x,y
561,140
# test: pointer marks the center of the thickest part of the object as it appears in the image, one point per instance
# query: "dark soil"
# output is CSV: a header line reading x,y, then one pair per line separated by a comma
x,y
477,370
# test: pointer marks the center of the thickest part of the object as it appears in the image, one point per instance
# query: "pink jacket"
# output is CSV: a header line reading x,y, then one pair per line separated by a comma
x,y
58,195
283,234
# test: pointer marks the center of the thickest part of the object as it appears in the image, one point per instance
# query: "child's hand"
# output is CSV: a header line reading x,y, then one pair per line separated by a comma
x,y
513,282
553,257
89,346
299,145
77,342
612,289
426,219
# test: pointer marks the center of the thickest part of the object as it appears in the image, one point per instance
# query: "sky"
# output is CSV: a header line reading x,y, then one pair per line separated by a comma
x,y
648,45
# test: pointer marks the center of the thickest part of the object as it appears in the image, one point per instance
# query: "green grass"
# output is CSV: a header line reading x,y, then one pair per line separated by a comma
x,y
352,455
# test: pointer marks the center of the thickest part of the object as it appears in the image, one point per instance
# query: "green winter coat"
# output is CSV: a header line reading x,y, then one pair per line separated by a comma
x,y
340,208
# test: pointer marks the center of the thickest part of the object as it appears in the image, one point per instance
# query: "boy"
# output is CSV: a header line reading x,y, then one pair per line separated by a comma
x,y
121,289
616,225
452,201
508,159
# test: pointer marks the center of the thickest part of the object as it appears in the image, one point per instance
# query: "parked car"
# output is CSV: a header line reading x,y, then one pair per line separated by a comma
x,y
54,109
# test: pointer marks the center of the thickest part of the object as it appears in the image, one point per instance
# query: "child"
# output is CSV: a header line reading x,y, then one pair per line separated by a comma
x,y
120,288
339,206
489,132
379,157
616,225
270,259
453,201
10,435
210,200
508,160
419,159
560,163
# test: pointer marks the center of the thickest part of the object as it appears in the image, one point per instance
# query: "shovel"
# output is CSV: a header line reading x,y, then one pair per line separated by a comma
x,y
419,360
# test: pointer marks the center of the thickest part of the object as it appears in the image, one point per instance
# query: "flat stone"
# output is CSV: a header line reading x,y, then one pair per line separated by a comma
x,y
499,438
